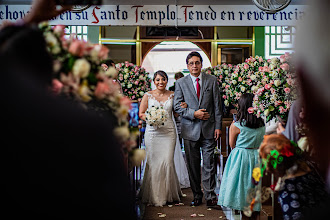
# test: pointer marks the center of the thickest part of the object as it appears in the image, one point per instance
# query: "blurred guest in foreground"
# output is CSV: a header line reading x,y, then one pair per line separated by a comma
x,y
301,188
62,162
313,64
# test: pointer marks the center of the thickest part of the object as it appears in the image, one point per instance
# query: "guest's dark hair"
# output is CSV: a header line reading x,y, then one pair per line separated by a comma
x,y
251,120
109,62
161,73
178,75
193,54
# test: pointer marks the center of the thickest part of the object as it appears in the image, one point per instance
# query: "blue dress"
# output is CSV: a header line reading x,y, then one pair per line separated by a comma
x,y
237,177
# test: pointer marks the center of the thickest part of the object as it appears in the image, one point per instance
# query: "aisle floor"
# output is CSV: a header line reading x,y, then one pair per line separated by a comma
x,y
183,211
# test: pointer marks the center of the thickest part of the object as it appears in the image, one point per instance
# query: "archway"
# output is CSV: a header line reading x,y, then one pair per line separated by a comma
x,y
170,56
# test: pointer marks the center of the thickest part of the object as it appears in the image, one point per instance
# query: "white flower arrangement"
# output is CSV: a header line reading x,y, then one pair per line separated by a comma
x,y
156,116
277,90
271,81
135,81
245,78
223,73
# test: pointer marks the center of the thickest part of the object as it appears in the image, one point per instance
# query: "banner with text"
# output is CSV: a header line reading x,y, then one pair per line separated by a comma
x,y
167,15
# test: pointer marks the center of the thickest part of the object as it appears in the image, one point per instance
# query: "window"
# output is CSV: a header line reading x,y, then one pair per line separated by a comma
x,y
80,31
278,40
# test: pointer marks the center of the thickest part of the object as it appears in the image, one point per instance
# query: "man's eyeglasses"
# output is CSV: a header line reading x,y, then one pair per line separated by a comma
x,y
197,63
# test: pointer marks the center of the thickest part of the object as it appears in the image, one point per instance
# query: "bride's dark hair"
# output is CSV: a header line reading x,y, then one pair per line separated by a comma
x,y
243,115
161,73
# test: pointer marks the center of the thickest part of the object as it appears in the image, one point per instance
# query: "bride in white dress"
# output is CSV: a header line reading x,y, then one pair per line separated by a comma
x,y
160,181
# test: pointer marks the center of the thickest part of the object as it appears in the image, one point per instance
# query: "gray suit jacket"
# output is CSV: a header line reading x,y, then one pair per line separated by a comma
x,y
191,127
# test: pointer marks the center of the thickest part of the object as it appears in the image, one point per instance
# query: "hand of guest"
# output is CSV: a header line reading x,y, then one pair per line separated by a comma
x,y
279,128
302,113
44,10
140,124
183,105
217,133
202,114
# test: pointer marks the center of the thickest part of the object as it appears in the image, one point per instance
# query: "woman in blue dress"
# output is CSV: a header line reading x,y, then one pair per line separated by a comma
x,y
245,137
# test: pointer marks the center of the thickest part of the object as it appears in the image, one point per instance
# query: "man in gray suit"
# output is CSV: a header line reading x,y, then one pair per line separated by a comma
x,y
200,127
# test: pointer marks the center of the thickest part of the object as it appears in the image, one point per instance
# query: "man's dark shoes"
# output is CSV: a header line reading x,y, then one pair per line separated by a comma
x,y
196,202
213,203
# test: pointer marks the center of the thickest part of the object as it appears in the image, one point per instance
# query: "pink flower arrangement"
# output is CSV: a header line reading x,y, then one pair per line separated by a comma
x,y
271,81
80,77
135,81
244,79
277,89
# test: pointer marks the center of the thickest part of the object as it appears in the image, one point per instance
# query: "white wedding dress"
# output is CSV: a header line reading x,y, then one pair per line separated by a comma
x,y
160,180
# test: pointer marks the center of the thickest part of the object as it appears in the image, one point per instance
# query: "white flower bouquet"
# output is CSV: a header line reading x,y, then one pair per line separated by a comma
x,y
156,116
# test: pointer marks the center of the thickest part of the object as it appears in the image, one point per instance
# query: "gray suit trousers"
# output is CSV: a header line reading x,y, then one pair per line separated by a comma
x,y
204,175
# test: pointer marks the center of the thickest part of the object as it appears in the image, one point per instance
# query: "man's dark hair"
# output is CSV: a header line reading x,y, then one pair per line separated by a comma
x,y
161,73
178,75
194,54
109,62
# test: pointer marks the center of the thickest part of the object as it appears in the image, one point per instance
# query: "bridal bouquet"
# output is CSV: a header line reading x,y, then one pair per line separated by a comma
x,y
156,116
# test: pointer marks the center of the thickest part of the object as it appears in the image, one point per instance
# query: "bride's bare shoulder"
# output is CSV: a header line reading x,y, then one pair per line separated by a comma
x,y
170,93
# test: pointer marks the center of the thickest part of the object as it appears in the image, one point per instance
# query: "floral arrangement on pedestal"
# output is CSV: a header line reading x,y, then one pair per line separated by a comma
x,y
80,78
244,79
223,73
272,82
135,81
277,90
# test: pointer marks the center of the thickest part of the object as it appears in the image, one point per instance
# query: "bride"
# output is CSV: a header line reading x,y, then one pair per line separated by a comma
x,y
165,162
